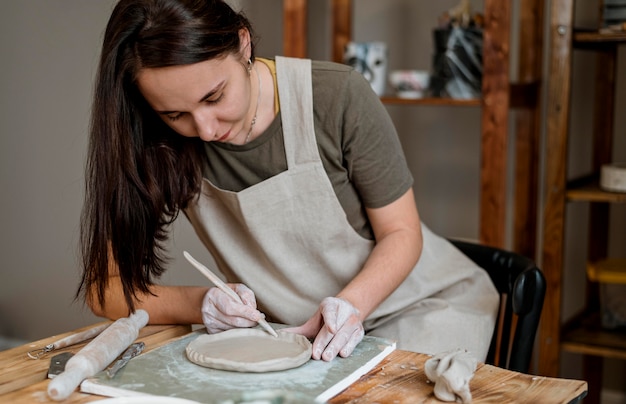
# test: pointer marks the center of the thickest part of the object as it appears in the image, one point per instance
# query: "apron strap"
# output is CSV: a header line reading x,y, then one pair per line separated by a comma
x,y
295,92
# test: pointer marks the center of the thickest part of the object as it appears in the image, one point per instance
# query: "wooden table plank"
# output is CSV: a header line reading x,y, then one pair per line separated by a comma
x,y
399,378
37,393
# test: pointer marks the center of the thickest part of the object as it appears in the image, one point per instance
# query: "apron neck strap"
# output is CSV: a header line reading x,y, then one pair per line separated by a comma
x,y
295,93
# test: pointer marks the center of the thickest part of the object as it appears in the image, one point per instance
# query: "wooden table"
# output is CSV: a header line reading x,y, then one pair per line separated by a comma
x,y
399,378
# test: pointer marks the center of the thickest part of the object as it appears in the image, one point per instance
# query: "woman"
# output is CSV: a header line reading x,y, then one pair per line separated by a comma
x,y
293,177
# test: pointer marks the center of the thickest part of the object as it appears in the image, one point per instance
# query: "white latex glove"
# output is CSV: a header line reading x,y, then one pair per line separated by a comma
x,y
336,327
451,372
220,312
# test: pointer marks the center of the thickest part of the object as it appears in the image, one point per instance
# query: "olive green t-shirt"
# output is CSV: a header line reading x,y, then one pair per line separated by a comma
x,y
356,139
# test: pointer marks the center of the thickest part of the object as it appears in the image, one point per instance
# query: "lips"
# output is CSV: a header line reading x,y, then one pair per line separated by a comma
x,y
224,137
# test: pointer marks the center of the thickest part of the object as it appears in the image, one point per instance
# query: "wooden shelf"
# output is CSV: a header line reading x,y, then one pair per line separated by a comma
x,y
608,270
588,189
437,101
584,335
585,37
521,95
498,97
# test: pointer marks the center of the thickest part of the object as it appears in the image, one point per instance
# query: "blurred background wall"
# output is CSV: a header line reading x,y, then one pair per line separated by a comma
x,y
49,54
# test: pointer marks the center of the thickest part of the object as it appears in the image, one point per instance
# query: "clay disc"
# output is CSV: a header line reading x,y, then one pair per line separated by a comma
x,y
249,350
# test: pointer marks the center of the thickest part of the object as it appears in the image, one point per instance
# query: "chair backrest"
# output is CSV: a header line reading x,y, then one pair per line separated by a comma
x,y
522,288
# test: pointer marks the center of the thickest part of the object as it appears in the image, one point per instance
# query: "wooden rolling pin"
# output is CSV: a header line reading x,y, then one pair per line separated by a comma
x,y
97,355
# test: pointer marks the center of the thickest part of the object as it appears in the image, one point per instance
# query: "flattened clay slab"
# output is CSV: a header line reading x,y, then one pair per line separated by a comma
x,y
249,350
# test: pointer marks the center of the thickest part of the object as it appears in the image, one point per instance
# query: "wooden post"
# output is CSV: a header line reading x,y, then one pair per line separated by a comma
x,y
342,27
559,89
294,28
495,106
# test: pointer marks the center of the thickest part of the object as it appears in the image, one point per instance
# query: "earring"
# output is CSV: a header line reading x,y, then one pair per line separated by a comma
x,y
249,67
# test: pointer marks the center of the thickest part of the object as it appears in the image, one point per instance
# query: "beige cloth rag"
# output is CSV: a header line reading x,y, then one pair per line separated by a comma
x,y
451,371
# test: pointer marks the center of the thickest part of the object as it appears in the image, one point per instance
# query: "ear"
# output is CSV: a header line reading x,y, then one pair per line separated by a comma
x,y
244,43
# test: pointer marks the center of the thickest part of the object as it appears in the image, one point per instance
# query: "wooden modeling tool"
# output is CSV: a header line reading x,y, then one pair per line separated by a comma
x,y
69,340
220,284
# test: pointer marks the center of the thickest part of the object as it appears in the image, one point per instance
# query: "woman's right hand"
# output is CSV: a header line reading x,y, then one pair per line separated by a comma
x,y
336,327
220,312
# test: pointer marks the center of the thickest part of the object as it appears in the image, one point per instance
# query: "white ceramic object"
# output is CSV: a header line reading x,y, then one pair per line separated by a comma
x,y
410,83
249,350
613,177
369,59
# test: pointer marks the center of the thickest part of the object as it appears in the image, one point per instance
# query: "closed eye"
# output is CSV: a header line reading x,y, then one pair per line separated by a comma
x,y
175,116
215,100
212,97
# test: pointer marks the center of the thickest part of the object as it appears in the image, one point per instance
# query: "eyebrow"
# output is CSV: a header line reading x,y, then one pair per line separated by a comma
x,y
206,96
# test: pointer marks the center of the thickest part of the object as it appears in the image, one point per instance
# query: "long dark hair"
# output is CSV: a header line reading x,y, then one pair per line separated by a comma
x,y
139,172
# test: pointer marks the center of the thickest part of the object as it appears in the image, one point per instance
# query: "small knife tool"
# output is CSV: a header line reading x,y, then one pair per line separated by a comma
x,y
132,351
57,364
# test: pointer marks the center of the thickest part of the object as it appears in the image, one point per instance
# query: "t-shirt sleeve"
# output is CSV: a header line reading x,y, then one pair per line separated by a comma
x,y
372,151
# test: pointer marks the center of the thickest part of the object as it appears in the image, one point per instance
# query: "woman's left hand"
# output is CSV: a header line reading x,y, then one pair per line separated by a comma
x,y
337,329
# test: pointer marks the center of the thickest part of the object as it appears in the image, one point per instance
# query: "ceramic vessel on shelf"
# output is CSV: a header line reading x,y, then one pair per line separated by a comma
x,y
613,177
410,83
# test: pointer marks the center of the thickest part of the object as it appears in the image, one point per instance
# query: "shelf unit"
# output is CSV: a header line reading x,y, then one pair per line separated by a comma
x,y
581,334
498,97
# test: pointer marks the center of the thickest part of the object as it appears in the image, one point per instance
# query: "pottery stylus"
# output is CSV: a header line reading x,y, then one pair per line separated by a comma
x,y
220,284
69,340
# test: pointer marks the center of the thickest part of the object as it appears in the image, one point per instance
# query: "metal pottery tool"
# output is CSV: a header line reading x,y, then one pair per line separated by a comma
x,y
69,340
57,364
132,351
220,284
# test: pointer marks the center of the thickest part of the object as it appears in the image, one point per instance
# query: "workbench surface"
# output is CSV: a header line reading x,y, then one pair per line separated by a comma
x,y
399,378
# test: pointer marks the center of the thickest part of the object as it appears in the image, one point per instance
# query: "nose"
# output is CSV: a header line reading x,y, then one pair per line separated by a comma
x,y
206,125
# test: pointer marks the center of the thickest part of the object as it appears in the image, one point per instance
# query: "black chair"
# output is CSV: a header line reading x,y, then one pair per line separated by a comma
x,y
522,288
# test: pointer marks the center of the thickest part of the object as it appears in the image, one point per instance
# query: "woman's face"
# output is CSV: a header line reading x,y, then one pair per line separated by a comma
x,y
210,100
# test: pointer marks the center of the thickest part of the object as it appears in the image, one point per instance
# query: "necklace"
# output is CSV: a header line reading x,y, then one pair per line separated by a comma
x,y
256,109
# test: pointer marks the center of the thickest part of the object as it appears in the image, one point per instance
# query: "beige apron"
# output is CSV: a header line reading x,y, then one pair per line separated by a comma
x,y
288,239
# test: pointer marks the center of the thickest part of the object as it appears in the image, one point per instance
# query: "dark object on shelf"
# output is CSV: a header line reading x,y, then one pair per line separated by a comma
x,y
613,12
457,62
523,287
